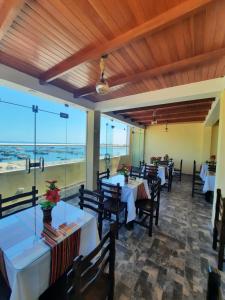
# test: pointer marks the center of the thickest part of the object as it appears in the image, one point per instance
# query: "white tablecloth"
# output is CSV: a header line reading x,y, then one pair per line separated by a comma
x,y
203,171
28,262
209,184
129,192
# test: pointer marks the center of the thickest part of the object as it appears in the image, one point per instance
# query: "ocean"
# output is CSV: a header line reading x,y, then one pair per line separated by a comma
x,y
53,153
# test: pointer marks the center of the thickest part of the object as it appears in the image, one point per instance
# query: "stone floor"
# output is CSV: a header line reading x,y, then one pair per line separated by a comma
x,y
173,263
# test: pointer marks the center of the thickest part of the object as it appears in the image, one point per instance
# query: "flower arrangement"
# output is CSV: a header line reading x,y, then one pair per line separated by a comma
x,y
124,170
52,195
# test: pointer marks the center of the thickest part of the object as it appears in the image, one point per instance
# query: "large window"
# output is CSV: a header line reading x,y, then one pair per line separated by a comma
x,y
137,145
114,138
45,132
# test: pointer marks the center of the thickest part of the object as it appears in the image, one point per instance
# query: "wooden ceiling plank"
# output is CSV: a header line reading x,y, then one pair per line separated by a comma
x,y
9,9
165,69
153,25
164,121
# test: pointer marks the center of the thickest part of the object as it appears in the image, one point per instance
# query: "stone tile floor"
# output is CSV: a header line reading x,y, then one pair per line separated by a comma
x,y
173,263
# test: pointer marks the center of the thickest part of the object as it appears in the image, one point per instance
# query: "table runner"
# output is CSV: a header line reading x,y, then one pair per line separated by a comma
x,y
141,192
65,246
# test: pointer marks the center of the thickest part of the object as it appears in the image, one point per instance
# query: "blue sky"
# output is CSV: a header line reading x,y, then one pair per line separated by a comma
x,y
17,123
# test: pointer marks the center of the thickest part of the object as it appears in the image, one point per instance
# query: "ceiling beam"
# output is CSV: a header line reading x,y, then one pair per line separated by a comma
x,y
168,111
183,104
173,115
160,118
180,120
151,26
8,11
162,70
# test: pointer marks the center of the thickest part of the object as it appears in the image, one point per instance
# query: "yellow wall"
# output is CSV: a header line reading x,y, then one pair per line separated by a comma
x,y
214,139
190,141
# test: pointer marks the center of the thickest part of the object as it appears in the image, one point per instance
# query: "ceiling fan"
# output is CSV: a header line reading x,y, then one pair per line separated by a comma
x,y
102,86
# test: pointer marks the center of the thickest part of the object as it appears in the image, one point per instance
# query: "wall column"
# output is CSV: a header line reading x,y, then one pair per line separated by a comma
x,y
93,144
220,157
206,143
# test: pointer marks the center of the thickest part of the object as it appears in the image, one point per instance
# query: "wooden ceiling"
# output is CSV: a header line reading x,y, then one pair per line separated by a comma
x,y
180,112
151,44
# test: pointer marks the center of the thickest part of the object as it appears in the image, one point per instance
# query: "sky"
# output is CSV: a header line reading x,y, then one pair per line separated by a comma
x,y
17,123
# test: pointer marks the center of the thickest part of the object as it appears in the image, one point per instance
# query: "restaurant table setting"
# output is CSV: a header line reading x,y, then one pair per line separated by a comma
x,y
131,191
33,254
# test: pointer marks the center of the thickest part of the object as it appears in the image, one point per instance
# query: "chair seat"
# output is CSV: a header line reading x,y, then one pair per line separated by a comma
x,y
111,206
99,290
145,204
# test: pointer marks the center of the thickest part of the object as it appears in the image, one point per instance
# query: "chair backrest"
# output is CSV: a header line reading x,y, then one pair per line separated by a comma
x,y
135,171
142,163
102,175
93,201
155,190
17,203
87,270
212,166
111,191
219,209
150,171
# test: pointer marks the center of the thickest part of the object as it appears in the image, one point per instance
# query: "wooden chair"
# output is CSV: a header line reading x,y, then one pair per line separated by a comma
x,y
178,171
113,204
214,285
102,175
169,177
197,183
90,277
163,163
141,163
17,203
93,201
135,171
149,207
150,171
219,229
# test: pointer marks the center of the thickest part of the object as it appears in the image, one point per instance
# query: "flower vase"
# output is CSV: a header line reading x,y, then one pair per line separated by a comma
x,y
126,179
47,214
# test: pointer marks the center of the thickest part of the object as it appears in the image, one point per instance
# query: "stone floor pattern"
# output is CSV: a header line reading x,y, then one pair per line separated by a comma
x,y
173,263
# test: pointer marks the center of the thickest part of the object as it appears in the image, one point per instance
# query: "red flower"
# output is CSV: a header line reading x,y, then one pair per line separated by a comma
x,y
53,195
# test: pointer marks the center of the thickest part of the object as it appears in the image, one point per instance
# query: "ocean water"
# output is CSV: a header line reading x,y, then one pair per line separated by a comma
x,y
53,152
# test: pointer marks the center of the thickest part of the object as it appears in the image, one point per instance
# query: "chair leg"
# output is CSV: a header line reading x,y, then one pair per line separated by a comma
x,y
126,214
150,224
117,226
221,256
215,237
157,215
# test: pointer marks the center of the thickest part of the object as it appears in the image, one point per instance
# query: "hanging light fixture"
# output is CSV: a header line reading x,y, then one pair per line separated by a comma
x,y
102,87
154,121
166,128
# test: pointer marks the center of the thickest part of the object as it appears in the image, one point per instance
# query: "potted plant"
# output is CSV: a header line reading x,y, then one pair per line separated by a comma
x,y
52,197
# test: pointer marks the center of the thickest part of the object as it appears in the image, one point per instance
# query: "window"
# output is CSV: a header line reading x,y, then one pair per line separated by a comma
x,y
34,129
114,137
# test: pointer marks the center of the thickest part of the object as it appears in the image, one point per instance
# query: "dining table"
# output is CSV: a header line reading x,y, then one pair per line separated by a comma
x,y
209,182
27,255
203,171
129,192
